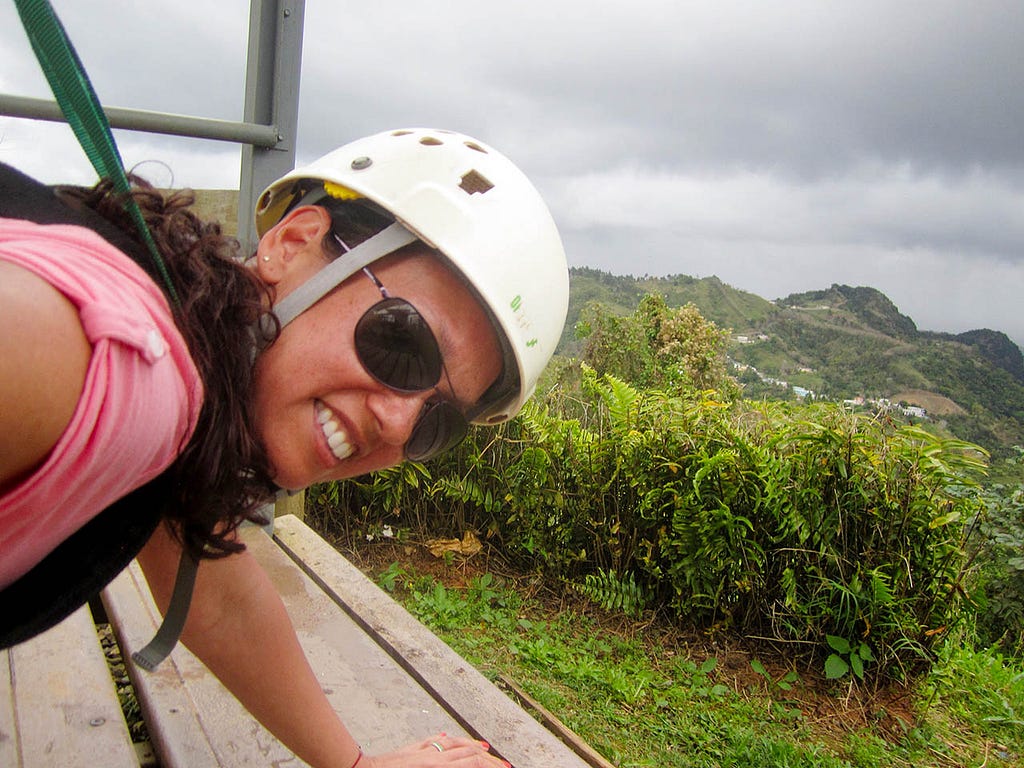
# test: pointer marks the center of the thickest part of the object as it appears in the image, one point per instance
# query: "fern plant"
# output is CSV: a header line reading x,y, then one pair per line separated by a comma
x,y
614,592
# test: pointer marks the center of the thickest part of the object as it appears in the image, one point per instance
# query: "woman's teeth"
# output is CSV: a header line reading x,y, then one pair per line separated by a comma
x,y
336,437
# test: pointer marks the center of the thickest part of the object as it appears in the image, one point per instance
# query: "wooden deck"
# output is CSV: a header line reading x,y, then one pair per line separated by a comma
x,y
388,677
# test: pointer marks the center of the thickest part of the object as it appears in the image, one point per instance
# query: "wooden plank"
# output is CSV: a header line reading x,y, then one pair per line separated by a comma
x,y
552,723
10,747
191,718
484,710
60,706
376,699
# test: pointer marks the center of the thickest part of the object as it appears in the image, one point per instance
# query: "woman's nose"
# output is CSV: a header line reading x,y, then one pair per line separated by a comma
x,y
397,414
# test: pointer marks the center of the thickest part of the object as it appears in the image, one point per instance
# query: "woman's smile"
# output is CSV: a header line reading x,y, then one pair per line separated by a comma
x,y
336,436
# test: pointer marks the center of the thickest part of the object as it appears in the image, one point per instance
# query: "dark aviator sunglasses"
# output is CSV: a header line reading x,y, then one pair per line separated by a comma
x,y
395,345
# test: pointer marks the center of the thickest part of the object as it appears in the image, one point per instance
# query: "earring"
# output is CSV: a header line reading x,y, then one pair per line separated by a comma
x,y
266,257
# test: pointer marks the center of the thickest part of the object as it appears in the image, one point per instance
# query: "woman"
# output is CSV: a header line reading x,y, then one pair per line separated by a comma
x,y
404,286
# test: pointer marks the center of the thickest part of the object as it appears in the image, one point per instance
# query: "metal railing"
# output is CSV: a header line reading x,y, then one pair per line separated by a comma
x,y
269,125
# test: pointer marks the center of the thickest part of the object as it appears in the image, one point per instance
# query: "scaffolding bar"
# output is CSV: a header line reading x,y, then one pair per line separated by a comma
x,y
272,97
151,122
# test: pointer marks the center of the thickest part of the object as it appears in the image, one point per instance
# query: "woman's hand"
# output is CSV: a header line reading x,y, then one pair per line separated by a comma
x,y
439,750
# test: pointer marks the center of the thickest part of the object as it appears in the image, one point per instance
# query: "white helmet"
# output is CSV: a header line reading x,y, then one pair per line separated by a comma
x,y
472,204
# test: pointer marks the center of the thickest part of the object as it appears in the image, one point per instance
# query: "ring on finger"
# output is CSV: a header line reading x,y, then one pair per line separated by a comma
x,y
437,746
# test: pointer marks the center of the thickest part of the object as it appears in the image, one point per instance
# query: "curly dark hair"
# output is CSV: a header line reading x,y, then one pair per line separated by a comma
x,y
221,476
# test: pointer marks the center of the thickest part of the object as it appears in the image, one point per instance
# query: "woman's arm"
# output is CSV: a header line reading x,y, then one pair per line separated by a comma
x,y
45,357
236,622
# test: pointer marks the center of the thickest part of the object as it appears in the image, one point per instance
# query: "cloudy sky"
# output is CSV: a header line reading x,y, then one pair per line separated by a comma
x,y
782,146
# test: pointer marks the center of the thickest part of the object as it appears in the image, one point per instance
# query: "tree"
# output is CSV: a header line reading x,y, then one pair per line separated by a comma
x,y
656,346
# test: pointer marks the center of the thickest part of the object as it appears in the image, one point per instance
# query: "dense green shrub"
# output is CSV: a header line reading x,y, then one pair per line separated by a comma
x,y
783,521
839,533
997,586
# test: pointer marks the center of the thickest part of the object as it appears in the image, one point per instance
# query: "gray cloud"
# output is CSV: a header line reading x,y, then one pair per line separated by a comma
x,y
782,146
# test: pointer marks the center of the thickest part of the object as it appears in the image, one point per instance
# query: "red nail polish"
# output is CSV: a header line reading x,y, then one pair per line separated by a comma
x,y
485,745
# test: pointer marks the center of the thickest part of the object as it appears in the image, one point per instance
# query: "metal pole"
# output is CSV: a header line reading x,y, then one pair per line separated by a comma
x,y
151,122
271,98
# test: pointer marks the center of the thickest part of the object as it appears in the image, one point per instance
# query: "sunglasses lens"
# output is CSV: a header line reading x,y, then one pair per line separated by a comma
x,y
397,347
440,428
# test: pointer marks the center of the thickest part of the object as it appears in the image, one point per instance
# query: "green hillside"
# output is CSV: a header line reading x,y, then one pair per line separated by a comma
x,y
841,343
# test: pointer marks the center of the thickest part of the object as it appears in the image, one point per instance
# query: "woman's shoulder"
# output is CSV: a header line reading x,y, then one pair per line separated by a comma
x,y
46,357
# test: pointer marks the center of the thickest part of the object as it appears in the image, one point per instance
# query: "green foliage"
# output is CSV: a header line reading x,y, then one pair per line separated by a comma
x,y
655,346
642,702
389,579
613,592
785,683
997,583
484,602
846,657
855,340
361,507
984,690
794,522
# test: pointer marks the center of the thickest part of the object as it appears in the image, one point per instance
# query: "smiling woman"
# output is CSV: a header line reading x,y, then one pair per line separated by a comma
x,y
404,286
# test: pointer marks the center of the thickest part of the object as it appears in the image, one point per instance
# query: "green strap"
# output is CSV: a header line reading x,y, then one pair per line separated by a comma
x,y
81,108
73,92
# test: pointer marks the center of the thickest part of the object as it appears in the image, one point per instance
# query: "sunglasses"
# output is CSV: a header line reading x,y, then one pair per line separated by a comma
x,y
397,348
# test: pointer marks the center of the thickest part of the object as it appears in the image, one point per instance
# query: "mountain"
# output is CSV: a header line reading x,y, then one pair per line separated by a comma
x,y
841,343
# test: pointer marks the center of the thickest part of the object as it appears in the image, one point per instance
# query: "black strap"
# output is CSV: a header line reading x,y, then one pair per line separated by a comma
x,y
160,647
81,565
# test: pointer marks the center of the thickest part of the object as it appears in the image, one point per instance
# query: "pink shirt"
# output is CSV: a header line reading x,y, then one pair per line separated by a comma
x,y
139,403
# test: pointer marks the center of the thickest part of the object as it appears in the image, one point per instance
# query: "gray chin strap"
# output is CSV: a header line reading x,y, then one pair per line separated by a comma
x,y
386,241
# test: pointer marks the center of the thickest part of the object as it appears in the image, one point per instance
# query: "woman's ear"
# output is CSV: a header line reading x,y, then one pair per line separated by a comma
x,y
292,249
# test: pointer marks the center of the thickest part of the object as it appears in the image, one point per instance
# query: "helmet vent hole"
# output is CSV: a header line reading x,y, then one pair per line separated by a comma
x,y
430,141
401,133
476,147
475,182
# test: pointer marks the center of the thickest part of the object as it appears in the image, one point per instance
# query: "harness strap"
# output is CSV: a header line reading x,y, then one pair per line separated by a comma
x,y
167,636
334,274
77,99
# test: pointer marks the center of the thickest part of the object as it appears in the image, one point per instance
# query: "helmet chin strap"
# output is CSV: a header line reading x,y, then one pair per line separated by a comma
x,y
386,241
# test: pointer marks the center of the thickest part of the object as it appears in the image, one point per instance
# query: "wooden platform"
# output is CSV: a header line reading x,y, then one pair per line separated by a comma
x,y
58,706
390,679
